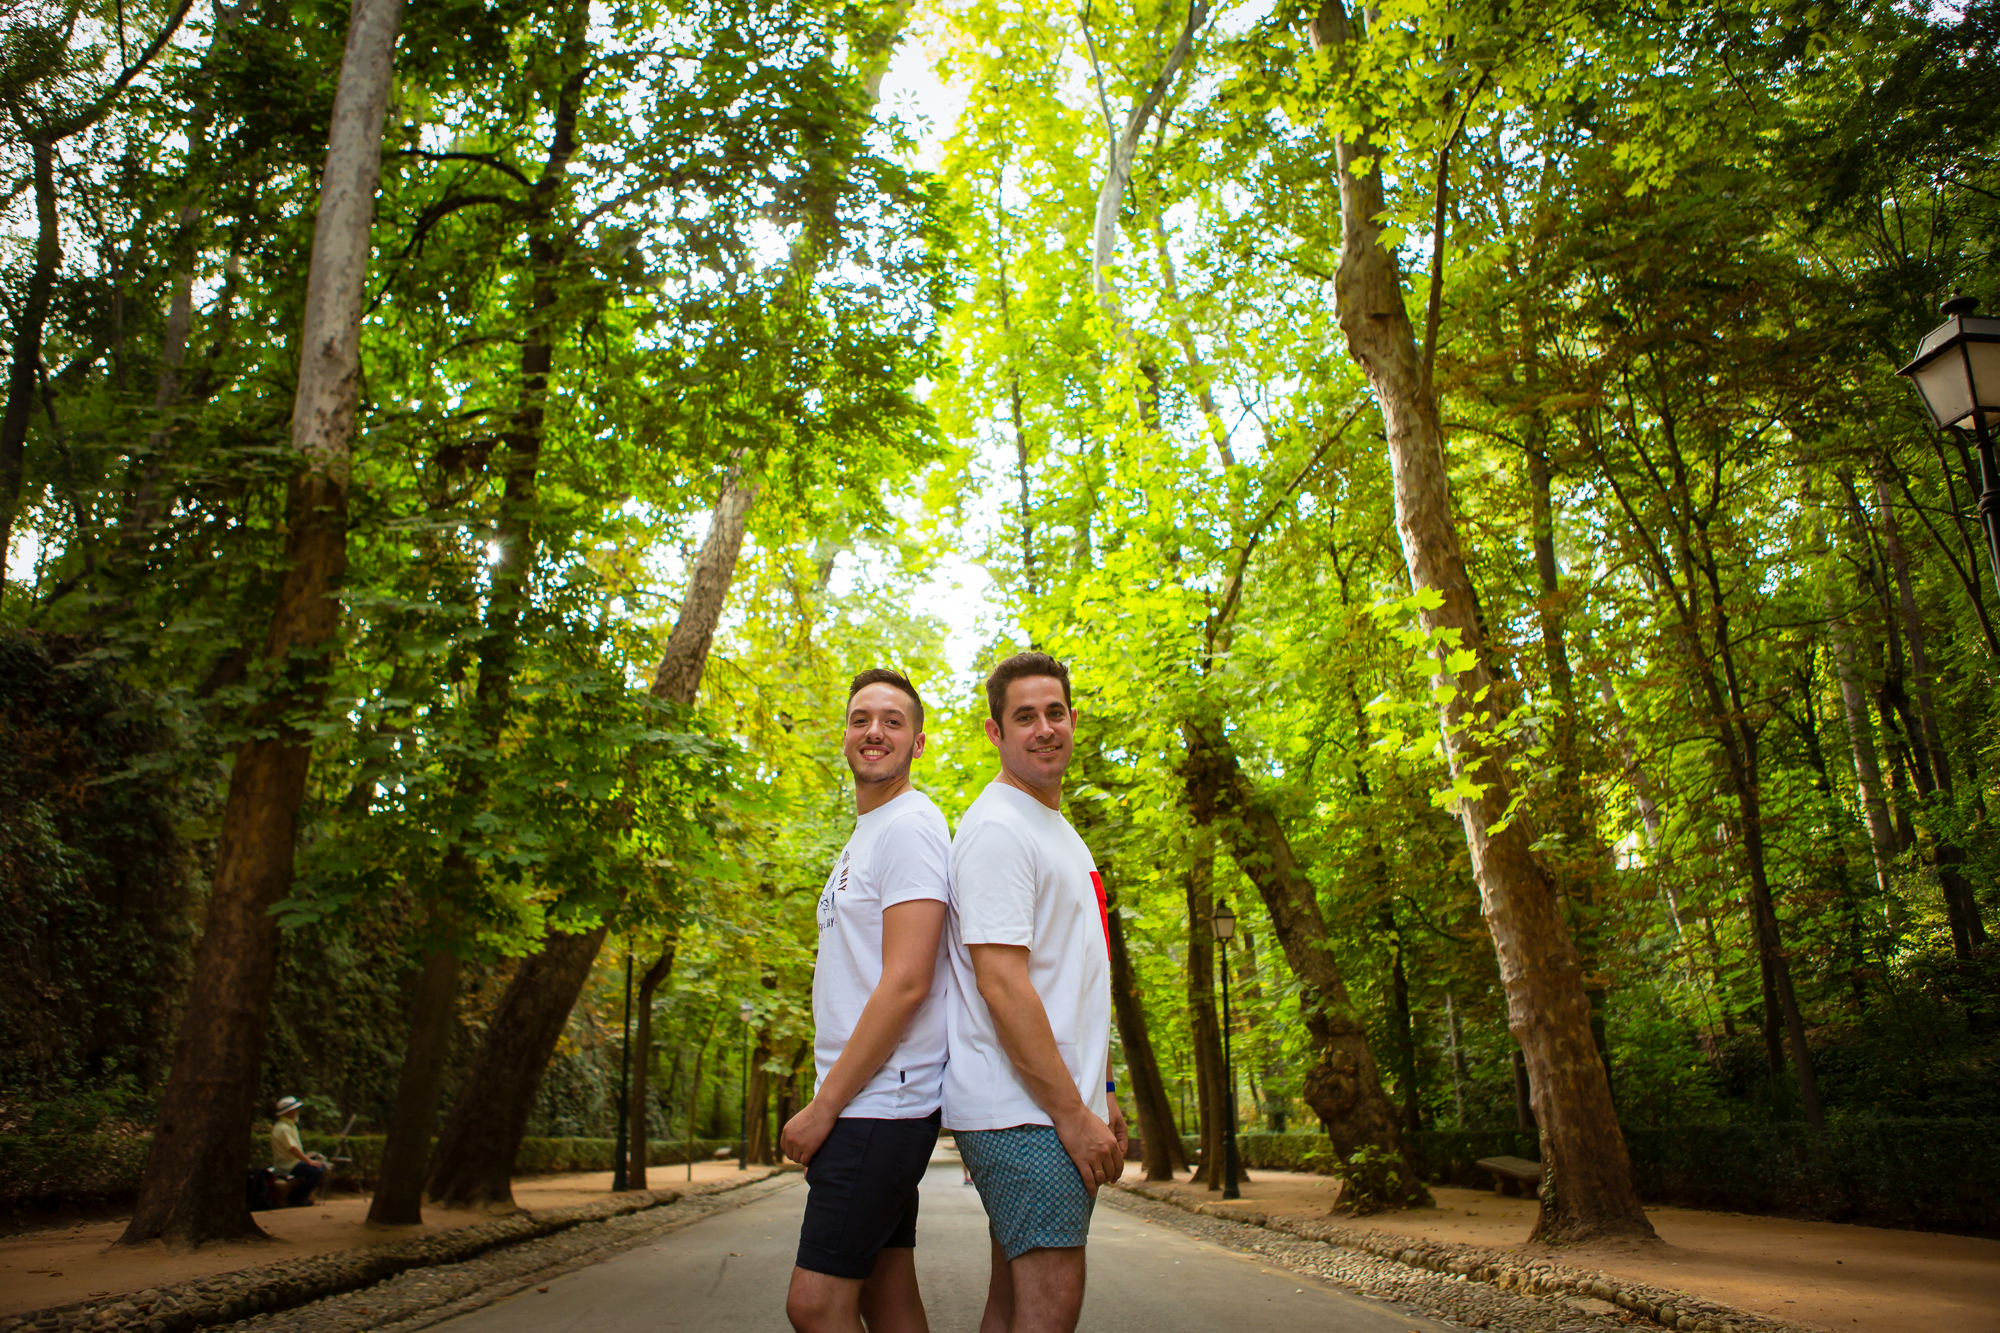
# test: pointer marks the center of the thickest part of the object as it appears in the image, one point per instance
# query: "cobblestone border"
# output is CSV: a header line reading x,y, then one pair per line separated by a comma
x,y
226,1298
1507,1270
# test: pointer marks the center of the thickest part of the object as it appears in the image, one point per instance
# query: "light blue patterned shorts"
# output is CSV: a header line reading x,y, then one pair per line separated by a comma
x,y
1033,1195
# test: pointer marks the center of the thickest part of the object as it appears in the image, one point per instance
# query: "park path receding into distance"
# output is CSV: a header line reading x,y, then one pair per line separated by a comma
x,y
730,1271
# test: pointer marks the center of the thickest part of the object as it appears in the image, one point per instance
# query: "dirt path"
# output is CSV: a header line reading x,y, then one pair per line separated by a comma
x,y
39,1269
1849,1278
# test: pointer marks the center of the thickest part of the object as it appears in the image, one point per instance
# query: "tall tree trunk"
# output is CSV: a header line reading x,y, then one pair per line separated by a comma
x,y
1120,152
1741,750
24,370
638,1110
1968,931
1524,1094
418,1090
1253,1015
473,1166
1204,1027
1913,629
1455,1047
756,1099
399,1189
1159,1140
1582,862
1400,1026
1588,1187
678,677
757,1149
789,1089
1861,742
145,502
192,1189
1341,1085
475,1153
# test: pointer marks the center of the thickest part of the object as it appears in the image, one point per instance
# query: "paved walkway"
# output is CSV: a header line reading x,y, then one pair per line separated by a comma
x,y
730,1272
76,1261
1831,1274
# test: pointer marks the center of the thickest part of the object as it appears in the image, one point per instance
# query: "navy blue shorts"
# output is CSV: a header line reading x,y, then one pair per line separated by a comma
x,y
862,1193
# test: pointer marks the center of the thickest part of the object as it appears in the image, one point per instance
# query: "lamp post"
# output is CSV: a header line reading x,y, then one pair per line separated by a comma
x,y
1224,923
745,1011
621,1147
1957,374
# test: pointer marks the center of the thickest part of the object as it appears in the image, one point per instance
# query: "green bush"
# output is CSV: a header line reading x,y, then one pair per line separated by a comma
x,y
46,1170
98,883
1448,1156
1372,1179
1932,1175
538,1157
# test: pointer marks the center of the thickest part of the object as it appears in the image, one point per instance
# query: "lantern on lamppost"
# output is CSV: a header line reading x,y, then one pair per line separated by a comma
x,y
1957,374
1224,924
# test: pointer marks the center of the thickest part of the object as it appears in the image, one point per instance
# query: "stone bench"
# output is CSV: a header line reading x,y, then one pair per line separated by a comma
x,y
1513,1175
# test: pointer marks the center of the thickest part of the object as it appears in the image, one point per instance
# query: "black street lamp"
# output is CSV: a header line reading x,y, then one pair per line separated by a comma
x,y
1957,374
745,1011
1224,922
621,1147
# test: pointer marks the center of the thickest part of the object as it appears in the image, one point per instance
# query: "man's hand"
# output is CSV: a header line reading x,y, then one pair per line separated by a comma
x,y
805,1132
1093,1148
1119,1129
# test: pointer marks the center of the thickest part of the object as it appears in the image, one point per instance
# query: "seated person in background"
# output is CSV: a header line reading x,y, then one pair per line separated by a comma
x,y
298,1173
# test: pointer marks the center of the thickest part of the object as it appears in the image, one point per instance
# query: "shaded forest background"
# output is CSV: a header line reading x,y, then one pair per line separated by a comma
x,y
1660,266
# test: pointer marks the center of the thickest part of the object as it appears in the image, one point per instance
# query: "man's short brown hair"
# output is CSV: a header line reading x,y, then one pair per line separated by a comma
x,y
884,676
1021,666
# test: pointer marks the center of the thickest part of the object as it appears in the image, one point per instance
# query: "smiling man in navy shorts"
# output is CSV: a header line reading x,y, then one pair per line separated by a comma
x,y
879,991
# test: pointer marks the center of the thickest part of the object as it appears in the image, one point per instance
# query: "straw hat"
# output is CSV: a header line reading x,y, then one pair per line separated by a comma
x,y
287,1105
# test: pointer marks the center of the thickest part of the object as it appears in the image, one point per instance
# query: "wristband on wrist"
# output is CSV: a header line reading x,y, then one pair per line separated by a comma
x,y
1111,1085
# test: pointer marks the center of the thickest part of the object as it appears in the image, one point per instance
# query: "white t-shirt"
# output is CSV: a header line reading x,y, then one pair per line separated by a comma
x,y
898,853
1021,875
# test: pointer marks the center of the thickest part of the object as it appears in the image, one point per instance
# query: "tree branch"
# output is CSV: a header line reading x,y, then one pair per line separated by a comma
x,y
1435,308
1234,593
83,120
483,159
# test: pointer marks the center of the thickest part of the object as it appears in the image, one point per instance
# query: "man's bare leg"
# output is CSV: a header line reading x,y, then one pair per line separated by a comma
x,y
890,1301
1048,1290
819,1303
1040,1292
999,1316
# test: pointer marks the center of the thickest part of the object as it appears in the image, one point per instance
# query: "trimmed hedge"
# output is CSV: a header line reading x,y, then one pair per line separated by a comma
x,y
53,1170
40,1172
1929,1175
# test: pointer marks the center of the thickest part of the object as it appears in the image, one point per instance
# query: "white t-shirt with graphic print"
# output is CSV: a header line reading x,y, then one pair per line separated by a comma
x,y
1021,875
898,853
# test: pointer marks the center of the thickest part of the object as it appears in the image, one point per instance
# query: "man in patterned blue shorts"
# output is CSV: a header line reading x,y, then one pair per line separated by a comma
x,y
1028,1090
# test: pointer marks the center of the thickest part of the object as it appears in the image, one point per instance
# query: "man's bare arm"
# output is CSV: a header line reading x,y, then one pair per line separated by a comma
x,y
910,934
1022,1024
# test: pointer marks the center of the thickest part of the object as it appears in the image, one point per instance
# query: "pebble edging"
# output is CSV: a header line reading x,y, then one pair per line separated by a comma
x,y
225,1298
1506,1270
